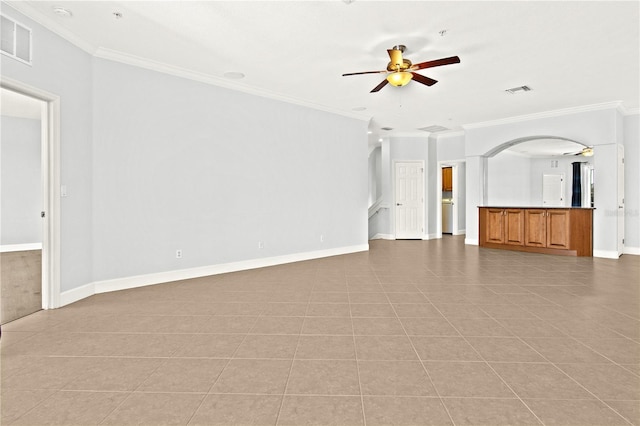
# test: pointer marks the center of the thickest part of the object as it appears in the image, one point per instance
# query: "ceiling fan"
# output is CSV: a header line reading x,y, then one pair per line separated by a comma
x,y
587,151
400,71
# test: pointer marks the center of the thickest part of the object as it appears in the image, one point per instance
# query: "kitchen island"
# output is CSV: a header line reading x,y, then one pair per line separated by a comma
x,y
566,231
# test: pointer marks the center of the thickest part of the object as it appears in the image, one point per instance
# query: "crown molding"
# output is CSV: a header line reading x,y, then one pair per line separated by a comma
x,y
545,114
50,24
628,111
113,55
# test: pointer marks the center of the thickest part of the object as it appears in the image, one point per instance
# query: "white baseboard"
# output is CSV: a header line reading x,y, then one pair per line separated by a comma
x,y
78,293
471,241
429,237
383,237
7,248
631,250
124,283
606,254
460,232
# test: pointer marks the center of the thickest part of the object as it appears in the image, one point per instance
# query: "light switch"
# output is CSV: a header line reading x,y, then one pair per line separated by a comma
x,y
63,190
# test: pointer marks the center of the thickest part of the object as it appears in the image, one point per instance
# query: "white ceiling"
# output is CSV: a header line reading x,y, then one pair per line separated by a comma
x,y
570,53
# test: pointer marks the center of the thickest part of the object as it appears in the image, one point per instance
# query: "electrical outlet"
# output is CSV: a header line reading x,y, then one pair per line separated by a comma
x,y
178,254
260,245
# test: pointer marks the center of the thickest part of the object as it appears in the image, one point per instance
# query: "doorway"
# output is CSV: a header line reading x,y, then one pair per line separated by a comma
x,y
21,200
409,200
29,242
451,198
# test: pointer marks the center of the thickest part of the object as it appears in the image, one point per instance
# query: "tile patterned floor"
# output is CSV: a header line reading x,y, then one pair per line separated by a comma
x,y
412,332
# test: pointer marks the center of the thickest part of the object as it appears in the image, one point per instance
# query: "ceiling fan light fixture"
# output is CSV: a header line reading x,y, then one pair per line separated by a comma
x,y
587,152
61,11
399,78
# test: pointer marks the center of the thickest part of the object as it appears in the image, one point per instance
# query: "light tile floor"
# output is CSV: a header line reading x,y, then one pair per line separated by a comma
x,y
411,332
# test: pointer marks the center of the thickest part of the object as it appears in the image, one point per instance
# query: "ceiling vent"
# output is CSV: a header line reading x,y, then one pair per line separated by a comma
x,y
518,89
433,129
387,128
15,40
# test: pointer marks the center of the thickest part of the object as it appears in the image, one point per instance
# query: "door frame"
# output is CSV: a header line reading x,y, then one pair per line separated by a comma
x,y
393,189
50,171
620,187
455,193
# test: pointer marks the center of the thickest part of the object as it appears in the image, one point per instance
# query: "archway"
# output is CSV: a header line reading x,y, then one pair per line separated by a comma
x,y
506,145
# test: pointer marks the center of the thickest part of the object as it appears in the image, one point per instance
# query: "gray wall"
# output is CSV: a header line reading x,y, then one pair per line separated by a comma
x,y
171,164
212,172
63,69
20,146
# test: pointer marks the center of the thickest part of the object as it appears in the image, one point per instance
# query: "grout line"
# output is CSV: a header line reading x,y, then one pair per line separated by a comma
x,y
549,362
293,359
421,361
355,350
221,371
491,367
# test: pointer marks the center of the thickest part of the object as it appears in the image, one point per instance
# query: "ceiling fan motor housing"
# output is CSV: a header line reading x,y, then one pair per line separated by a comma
x,y
405,65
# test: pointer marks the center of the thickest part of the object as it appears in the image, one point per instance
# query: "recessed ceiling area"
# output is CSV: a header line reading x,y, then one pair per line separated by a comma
x,y
543,148
571,53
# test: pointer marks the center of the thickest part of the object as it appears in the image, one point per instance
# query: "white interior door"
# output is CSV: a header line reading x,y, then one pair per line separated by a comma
x,y
409,200
553,190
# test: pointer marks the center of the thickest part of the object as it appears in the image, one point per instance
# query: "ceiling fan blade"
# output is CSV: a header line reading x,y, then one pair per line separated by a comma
x,y
380,86
395,56
422,79
436,63
365,72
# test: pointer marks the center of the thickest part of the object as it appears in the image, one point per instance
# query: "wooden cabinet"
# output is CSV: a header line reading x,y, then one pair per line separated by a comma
x,y
551,231
447,179
505,226
547,228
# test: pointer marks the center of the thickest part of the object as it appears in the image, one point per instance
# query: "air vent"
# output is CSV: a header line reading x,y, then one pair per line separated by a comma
x,y
433,129
518,89
387,128
15,40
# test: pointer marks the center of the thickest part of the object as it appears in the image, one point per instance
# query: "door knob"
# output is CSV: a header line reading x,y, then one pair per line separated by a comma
x,y
398,204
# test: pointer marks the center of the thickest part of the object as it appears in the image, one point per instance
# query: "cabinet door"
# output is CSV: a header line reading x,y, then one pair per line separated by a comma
x,y
494,230
558,229
535,228
447,179
514,227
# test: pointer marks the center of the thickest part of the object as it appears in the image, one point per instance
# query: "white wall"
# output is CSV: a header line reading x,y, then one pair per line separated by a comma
x,y
183,165
375,175
632,183
450,146
461,197
213,172
63,69
509,180
21,203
